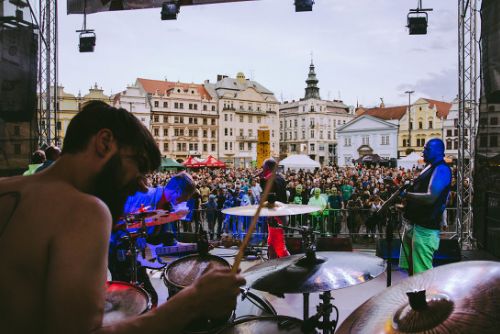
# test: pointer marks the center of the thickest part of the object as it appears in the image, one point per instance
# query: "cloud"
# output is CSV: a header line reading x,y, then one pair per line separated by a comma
x,y
440,85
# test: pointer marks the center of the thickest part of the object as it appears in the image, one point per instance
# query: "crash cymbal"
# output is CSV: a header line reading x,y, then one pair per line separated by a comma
x,y
331,271
456,298
151,218
279,209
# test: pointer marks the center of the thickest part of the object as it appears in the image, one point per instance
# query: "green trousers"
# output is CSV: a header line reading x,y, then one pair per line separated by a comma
x,y
419,244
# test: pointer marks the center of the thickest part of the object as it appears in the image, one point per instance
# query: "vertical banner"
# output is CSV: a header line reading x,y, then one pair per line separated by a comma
x,y
263,146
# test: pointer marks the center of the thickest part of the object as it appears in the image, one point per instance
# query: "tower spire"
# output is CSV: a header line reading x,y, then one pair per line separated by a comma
x,y
312,89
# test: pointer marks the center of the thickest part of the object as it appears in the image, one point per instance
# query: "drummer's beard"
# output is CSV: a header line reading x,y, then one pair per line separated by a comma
x,y
110,188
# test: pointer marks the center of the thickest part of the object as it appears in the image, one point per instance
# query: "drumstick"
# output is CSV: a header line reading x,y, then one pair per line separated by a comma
x,y
263,199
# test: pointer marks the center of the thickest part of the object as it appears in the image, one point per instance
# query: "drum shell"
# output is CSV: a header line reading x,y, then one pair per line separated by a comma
x,y
190,262
129,294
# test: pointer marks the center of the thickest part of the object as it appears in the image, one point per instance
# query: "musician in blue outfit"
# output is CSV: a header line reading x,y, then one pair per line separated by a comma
x,y
172,198
425,204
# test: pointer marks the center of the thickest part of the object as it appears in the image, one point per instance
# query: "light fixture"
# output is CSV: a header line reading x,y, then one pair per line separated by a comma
x,y
304,5
170,9
87,40
418,20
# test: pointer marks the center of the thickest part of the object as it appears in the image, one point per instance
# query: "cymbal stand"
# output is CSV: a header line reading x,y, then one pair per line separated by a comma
x,y
324,312
132,237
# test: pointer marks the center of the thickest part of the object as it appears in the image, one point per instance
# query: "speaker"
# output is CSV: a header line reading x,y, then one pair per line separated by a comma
x,y
490,47
18,68
448,251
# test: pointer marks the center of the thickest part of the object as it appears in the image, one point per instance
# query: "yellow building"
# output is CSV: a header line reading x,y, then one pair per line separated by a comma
x,y
422,123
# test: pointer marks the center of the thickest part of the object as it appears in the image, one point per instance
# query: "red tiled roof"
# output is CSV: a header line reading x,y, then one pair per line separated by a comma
x,y
443,108
162,87
386,113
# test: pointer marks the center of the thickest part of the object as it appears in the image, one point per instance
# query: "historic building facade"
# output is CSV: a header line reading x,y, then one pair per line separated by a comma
x,y
244,106
135,100
308,126
184,118
367,135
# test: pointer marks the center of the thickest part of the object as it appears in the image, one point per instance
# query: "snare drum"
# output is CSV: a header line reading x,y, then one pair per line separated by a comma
x,y
184,271
122,301
268,325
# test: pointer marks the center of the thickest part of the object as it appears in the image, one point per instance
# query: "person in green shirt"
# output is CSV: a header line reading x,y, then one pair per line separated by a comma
x,y
347,189
317,217
37,159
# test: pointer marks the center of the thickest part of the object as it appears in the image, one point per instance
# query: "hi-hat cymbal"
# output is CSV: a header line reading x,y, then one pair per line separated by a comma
x,y
279,209
331,271
459,298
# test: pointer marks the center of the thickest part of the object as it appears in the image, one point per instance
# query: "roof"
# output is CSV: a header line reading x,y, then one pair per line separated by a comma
x,y
164,87
387,113
443,108
358,118
229,87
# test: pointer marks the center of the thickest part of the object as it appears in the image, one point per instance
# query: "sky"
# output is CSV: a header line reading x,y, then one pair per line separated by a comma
x,y
361,48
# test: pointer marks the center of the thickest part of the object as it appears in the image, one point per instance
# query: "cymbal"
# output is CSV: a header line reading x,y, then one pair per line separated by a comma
x,y
332,270
459,298
280,209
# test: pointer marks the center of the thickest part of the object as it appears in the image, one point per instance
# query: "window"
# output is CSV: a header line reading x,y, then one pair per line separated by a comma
x,y
195,106
230,131
17,148
250,132
156,119
494,141
365,140
329,135
178,132
385,140
347,141
156,131
295,135
190,106
178,120
193,146
181,147
181,105
213,147
205,121
449,133
250,119
241,132
411,125
455,144
430,124
17,130
312,134
494,121
312,147
225,117
205,147
321,135
165,119
193,133
230,145
321,147
295,122
213,134
241,119
213,121
165,105
456,132
157,104
242,146
165,146
303,135
420,142
213,108
272,133
281,124
420,125
176,105
448,144
204,107
226,132
258,119
205,134
165,132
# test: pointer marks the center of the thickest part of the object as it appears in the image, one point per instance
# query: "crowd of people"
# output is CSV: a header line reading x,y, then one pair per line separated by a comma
x,y
347,197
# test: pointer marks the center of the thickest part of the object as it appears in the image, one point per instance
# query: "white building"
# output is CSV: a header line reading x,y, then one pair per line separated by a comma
x,y
367,135
245,106
309,126
134,99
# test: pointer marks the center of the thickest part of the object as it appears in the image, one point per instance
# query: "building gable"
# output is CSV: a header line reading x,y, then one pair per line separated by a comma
x,y
366,123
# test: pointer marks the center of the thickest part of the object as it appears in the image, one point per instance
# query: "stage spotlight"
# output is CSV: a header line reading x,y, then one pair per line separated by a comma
x,y
87,41
170,9
304,5
418,20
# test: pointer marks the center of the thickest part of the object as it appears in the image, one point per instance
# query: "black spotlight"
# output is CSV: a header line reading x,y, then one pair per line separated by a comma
x,y
304,5
170,9
87,41
418,20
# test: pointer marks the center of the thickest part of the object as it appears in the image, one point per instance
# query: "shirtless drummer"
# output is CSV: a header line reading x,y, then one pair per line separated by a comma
x,y
55,227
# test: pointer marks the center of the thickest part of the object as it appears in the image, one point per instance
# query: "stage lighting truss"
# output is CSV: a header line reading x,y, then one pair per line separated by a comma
x,y
304,5
418,20
170,9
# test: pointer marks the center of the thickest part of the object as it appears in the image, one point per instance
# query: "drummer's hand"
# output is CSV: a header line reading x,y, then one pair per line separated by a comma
x,y
216,292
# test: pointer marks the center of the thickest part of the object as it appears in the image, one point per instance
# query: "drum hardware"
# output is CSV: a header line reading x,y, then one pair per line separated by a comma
x,y
324,311
124,300
131,238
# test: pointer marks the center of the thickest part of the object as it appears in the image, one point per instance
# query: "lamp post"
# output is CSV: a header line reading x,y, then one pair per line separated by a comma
x,y
409,92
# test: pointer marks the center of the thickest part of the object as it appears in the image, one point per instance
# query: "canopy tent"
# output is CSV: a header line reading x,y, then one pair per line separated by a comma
x,y
213,162
299,161
371,159
170,164
413,159
192,162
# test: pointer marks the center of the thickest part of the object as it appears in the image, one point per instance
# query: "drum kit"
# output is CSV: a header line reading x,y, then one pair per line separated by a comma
x,y
457,298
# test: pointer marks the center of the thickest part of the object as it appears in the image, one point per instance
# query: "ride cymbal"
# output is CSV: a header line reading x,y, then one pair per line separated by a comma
x,y
279,209
456,298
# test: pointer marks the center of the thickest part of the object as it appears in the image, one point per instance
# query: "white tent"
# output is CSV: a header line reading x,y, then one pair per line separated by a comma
x,y
413,159
299,161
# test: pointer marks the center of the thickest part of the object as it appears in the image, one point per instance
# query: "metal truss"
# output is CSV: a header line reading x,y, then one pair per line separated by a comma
x,y
47,73
468,109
